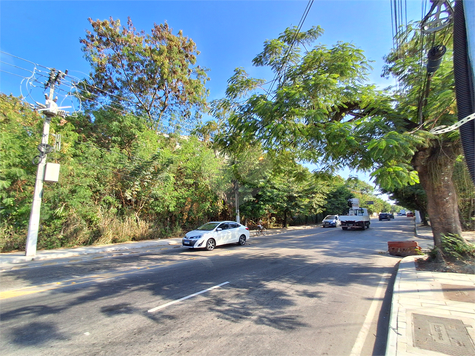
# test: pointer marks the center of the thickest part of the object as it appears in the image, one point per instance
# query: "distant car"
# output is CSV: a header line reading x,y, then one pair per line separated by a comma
x,y
391,215
410,214
384,216
331,221
216,233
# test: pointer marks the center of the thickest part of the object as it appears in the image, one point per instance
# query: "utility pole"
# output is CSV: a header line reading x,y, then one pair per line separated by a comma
x,y
50,110
236,199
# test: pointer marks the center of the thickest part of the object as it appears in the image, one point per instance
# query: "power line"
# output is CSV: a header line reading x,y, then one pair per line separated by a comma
x,y
299,27
18,75
75,87
280,72
12,65
71,82
26,60
398,22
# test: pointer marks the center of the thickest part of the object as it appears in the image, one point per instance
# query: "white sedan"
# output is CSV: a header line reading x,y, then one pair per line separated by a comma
x,y
216,233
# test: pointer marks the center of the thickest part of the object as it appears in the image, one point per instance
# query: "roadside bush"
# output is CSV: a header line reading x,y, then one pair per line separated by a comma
x,y
454,248
11,238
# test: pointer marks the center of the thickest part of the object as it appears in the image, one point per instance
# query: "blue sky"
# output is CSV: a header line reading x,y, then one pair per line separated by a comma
x,y
228,34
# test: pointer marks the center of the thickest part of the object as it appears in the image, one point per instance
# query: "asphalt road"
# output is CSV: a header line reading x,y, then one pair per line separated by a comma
x,y
306,292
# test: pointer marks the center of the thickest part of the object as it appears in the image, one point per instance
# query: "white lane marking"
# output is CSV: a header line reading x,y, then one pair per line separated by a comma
x,y
187,297
363,334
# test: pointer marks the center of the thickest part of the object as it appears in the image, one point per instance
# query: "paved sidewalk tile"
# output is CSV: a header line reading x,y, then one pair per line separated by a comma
x,y
425,318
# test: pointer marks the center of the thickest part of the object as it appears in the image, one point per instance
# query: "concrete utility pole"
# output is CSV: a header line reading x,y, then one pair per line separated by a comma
x,y
236,199
50,110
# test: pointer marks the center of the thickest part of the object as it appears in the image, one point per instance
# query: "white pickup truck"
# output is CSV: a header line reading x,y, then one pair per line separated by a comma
x,y
357,217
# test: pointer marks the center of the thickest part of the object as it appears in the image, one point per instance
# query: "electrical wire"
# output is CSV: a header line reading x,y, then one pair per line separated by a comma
x,y
74,85
398,22
26,60
405,9
70,82
18,75
12,65
392,22
278,76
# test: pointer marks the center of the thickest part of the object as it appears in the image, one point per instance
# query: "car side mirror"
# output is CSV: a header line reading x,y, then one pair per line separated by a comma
x,y
219,229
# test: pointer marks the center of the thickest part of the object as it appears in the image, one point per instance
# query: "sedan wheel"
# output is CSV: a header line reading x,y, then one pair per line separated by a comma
x,y
242,240
210,245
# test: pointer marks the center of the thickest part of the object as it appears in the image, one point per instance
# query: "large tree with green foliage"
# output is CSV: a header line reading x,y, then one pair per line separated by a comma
x,y
283,190
18,143
337,200
321,108
114,185
151,75
425,100
411,197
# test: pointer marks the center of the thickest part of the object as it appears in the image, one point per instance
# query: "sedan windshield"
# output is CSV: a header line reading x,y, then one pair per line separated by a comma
x,y
329,217
208,226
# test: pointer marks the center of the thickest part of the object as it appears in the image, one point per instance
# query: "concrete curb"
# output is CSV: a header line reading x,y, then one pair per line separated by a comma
x,y
393,334
18,257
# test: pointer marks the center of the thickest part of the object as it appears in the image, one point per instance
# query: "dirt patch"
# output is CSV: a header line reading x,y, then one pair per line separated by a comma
x,y
467,266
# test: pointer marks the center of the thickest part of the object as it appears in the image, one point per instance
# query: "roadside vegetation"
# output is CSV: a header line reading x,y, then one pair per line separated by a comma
x,y
121,185
321,108
138,163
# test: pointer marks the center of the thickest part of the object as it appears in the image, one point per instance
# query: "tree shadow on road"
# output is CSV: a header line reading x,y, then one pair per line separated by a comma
x,y
263,290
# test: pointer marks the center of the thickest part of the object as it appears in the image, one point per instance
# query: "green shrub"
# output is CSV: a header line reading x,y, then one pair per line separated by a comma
x,y
454,248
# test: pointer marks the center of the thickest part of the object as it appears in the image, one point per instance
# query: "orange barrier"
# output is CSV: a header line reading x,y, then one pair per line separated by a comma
x,y
403,248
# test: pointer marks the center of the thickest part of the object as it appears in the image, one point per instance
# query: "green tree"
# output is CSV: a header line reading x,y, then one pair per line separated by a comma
x,y
207,131
199,185
287,190
114,185
337,201
423,101
466,194
20,129
108,128
323,110
151,75
412,197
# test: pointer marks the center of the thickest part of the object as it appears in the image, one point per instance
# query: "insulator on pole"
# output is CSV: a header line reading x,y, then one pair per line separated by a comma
x,y
434,57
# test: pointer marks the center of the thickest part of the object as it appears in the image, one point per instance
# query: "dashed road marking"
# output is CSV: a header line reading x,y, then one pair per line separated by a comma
x,y
187,297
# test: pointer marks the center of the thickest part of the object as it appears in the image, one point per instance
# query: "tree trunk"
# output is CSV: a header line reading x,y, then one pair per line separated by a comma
x,y
435,166
423,213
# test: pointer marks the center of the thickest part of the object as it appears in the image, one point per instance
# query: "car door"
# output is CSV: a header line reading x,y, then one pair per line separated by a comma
x,y
234,232
223,235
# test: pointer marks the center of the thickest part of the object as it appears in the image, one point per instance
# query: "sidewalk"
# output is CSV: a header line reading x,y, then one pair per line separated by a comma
x,y
432,313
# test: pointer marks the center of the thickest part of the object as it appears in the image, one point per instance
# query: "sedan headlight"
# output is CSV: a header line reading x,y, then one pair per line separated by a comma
x,y
196,237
